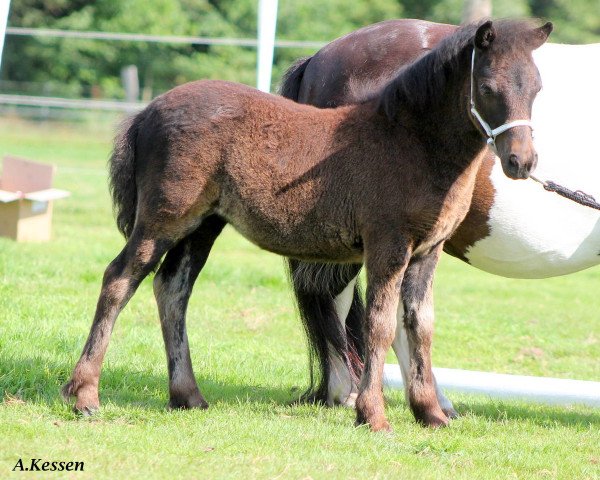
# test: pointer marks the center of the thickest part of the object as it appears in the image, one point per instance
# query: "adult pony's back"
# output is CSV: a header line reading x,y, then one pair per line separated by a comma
x,y
512,229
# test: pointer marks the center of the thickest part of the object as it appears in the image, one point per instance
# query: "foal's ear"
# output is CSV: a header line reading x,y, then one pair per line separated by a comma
x,y
486,33
540,35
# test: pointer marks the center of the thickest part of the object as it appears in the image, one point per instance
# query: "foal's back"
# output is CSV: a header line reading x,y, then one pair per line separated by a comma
x,y
267,165
274,168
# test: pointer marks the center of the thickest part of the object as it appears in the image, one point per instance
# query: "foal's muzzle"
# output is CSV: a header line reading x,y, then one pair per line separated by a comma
x,y
517,154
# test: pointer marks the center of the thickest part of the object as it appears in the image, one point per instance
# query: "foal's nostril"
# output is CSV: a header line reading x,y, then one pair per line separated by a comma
x,y
513,160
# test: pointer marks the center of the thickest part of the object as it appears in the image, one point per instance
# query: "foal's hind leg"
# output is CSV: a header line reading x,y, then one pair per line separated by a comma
x,y
172,287
121,279
417,297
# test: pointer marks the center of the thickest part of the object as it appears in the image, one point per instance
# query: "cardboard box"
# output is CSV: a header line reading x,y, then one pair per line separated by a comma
x,y
26,197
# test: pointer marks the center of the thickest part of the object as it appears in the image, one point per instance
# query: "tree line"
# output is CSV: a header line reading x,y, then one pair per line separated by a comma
x,y
91,68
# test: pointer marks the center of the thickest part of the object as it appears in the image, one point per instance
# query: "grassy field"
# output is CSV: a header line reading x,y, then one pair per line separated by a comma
x,y
250,360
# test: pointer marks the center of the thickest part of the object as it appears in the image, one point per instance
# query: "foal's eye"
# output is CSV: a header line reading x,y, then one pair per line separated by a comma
x,y
486,89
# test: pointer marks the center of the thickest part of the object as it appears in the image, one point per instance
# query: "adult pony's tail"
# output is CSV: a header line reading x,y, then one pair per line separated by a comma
x,y
315,285
122,184
290,82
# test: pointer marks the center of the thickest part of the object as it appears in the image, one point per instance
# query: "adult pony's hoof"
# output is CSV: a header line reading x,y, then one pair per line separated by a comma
x,y
349,401
180,402
87,402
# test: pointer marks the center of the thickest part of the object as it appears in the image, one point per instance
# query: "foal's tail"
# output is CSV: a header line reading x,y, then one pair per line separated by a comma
x,y
290,82
122,184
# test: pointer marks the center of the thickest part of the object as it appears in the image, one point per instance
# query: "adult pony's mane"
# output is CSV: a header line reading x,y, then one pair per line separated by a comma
x,y
423,83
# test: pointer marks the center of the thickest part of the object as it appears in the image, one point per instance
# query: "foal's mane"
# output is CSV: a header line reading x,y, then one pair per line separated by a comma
x,y
422,84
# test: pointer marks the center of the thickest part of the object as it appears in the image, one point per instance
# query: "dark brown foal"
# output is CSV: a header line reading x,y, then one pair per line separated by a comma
x,y
385,182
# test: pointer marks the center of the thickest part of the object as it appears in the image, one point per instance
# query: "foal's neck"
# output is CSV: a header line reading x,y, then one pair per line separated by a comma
x,y
446,129
432,102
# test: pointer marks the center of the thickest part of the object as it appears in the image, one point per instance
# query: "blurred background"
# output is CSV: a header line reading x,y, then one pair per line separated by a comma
x,y
67,63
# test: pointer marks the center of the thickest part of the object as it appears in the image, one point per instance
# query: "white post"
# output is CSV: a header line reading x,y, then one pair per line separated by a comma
x,y
4,4
267,21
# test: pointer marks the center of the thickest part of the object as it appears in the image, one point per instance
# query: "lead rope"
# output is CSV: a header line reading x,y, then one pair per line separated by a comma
x,y
577,196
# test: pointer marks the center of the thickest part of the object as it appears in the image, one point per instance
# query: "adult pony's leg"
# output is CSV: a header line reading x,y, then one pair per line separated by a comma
x,y
417,297
172,287
341,387
400,347
321,295
122,277
386,265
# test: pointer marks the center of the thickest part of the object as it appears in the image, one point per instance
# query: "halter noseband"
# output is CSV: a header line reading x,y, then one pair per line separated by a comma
x,y
492,133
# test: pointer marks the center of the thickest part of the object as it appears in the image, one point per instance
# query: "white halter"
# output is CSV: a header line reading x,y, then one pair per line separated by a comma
x,y
492,133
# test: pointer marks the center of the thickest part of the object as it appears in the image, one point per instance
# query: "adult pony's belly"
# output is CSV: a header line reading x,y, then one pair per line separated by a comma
x,y
529,232
534,233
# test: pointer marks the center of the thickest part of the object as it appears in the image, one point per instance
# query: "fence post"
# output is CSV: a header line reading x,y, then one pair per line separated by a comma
x,y
4,6
131,84
267,22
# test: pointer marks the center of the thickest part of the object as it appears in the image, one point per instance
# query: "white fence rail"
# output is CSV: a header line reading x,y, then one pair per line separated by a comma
x,y
142,37
75,103
552,391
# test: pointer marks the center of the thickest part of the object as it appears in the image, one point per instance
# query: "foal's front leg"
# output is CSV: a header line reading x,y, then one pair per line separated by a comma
x,y
385,271
417,298
401,350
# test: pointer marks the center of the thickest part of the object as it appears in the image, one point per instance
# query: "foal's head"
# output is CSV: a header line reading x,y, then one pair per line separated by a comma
x,y
504,83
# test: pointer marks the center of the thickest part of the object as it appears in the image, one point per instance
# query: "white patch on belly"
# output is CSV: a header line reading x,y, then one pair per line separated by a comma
x,y
535,233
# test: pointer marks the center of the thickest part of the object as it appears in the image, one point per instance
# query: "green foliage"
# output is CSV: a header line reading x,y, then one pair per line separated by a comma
x,y
72,67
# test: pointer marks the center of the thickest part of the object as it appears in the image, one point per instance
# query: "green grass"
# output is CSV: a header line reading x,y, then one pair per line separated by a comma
x,y
249,356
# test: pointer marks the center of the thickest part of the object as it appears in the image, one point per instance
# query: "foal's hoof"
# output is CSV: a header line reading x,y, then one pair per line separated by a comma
x,y
381,426
86,410
434,420
451,413
376,424
87,403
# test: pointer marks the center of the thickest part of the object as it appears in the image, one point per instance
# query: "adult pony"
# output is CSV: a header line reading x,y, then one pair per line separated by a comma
x,y
513,229
384,182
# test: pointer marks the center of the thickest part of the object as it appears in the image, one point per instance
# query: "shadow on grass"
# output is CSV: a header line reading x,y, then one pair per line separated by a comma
x,y
538,414
36,381
499,411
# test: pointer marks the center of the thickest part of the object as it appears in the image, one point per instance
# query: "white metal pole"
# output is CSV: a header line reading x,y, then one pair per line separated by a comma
x,y
4,6
553,391
267,21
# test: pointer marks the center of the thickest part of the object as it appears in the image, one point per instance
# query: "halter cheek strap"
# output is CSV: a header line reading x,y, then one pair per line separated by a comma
x,y
491,133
